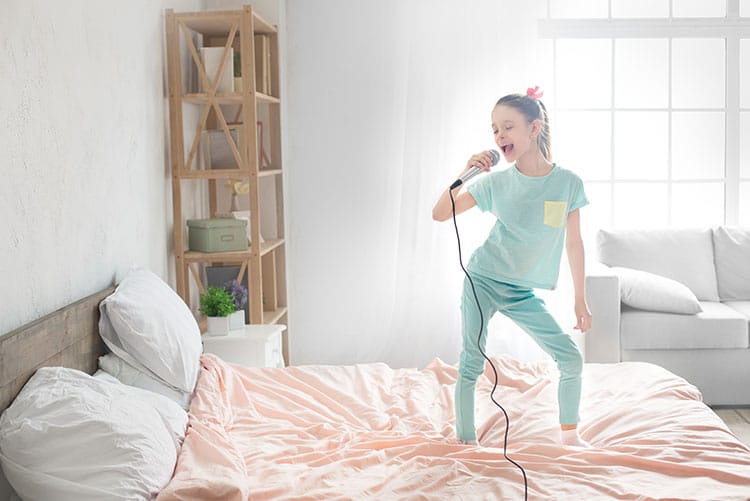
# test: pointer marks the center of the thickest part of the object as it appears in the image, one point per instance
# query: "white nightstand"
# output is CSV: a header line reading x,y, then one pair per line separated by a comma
x,y
257,345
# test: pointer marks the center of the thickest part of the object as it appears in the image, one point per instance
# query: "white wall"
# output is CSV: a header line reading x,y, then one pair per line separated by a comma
x,y
85,187
385,100
85,190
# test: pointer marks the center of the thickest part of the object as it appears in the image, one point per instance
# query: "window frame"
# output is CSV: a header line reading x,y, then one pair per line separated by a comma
x,y
731,28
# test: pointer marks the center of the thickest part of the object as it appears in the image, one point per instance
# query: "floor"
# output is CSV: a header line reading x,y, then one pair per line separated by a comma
x,y
738,420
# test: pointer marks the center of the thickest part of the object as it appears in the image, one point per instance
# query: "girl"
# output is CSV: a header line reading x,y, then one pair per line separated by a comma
x,y
536,203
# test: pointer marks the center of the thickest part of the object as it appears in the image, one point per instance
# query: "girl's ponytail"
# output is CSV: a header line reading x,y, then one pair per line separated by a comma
x,y
543,139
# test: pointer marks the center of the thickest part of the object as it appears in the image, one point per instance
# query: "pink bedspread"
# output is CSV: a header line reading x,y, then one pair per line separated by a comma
x,y
368,431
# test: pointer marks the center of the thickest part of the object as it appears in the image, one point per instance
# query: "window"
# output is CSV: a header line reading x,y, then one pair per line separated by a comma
x,y
699,8
640,8
651,107
578,9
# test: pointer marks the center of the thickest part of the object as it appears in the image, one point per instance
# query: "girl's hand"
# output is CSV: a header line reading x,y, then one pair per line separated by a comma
x,y
482,160
583,316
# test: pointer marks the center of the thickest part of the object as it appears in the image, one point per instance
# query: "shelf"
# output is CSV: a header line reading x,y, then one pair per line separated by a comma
x,y
269,172
273,316
216,174
219,97
230,126
270,244
228,98
226,173
263,264
265,98
219,23
262,26
236,256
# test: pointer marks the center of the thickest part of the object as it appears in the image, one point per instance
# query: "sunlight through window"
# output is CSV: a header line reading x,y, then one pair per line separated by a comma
x,y
652,109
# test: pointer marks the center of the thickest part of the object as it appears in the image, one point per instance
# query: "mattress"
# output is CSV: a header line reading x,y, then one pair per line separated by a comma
x,y
372,432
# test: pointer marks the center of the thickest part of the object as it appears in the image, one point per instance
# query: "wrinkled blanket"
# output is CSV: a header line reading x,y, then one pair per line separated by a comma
x,y
372,432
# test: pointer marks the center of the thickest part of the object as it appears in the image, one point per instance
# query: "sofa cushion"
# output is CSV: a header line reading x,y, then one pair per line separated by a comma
x,y
732,255
742,306
684,255
717,326
648,291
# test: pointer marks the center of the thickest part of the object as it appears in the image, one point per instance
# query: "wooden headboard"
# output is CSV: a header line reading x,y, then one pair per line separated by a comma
x,y
68,337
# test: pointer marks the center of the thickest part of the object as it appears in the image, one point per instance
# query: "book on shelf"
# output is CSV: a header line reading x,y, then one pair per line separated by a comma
x,y
262,64
211,59
215,149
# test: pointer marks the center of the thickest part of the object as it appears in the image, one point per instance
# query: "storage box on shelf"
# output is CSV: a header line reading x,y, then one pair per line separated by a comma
x,y
237,138
217,235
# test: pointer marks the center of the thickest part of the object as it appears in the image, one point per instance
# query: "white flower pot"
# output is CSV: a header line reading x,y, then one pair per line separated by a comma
x,y
218,326
237,320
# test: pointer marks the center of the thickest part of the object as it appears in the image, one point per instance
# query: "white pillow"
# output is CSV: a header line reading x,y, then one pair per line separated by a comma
x,y
121,371
148,325
648,291
70,436
105,376
684,255
732,249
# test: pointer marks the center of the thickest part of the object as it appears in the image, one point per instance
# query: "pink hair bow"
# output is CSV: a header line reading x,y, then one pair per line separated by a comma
x,y
534,93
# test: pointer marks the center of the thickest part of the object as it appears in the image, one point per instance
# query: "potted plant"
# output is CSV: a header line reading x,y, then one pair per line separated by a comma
x,y
239,293
217,304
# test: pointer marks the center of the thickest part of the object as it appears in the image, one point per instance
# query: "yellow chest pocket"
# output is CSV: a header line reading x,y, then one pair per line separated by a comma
x,y
554,213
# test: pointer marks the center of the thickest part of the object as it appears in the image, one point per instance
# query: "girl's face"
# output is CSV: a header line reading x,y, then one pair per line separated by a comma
x,y
514,135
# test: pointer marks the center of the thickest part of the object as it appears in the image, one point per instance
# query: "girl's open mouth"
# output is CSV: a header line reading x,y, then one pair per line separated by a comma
x,y
507,148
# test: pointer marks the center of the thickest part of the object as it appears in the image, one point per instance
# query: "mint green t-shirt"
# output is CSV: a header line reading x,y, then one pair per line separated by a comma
x,y
525,245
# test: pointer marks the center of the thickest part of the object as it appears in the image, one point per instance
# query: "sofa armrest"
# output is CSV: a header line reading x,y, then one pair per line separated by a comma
x,y
602,341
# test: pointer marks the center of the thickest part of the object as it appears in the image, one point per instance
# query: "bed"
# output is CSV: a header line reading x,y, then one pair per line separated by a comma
x,y
370,431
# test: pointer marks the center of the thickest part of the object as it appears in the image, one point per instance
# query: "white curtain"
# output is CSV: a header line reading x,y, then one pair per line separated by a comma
x,y
385,101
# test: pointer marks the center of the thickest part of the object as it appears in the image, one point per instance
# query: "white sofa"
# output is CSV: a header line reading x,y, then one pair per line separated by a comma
x,y
711,348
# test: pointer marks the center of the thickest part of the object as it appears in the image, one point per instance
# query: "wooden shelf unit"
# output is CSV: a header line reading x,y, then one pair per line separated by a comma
x,y
229,98
226,115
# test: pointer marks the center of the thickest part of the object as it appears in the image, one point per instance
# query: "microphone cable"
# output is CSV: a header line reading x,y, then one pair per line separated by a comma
x,y
479,345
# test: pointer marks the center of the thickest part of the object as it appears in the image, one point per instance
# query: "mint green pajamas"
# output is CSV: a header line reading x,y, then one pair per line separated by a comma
x,y
521,253
528,311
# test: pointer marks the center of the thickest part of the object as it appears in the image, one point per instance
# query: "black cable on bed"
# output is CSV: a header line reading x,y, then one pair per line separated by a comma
x,y
479,345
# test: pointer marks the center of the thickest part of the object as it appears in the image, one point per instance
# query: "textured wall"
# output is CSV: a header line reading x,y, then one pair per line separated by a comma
x,y
85,189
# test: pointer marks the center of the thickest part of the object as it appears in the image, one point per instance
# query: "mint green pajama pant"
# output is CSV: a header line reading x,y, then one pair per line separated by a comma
x,y
529,312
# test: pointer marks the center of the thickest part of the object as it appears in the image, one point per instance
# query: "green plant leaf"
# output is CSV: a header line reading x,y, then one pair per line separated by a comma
x,y
217,302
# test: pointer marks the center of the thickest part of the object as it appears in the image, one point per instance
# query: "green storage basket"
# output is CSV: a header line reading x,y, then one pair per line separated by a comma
x,y
217,235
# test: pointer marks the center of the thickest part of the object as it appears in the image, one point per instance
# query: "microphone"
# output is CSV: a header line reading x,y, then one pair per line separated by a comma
x,y
474,170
